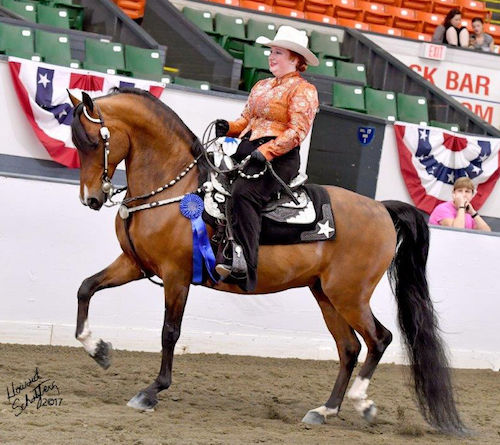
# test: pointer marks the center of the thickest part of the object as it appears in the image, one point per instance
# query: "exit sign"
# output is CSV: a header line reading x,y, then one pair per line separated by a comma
x,y
432,51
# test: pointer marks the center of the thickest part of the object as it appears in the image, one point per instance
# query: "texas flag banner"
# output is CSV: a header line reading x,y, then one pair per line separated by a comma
x,y
432,159
41,89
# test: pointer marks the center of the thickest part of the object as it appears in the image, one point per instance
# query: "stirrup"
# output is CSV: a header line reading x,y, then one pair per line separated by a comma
x,y
238,268
223,270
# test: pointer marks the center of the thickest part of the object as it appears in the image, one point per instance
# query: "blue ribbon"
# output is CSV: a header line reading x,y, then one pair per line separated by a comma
x,y
191,207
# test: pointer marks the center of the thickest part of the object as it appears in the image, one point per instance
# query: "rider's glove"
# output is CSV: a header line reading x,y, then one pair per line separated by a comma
x,y
258,156
221,127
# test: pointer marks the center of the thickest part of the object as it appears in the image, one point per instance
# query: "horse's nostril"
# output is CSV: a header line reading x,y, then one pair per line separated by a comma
x,y
93,203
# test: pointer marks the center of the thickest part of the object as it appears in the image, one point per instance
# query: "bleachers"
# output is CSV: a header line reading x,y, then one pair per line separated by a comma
x,y
58,13
391,17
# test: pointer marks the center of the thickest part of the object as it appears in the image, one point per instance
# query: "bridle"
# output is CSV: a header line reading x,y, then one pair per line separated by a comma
x,y
107,186
110,190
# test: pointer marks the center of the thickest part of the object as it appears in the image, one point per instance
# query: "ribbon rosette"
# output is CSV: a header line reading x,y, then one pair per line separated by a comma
x,y
191,207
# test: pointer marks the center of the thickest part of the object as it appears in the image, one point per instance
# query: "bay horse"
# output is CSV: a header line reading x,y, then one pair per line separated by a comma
x,y
372,238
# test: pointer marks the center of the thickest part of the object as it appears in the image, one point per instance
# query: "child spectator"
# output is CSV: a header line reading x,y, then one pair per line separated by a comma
x,y
459,211
479,39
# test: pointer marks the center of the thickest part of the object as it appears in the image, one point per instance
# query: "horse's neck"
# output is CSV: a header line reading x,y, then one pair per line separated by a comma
x,y
150,166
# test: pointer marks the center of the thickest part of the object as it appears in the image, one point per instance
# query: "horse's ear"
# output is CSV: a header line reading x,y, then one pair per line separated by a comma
x,y
87,101
73,99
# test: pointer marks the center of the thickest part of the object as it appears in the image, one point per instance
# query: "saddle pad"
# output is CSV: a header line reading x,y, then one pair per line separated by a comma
x,y
322,228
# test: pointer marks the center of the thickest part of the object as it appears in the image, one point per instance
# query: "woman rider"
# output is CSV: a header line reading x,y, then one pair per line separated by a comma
x,y
277,117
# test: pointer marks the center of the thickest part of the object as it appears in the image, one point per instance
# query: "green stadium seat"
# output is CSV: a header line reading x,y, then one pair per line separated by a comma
x,y
191,83
75,12
143,63
232,30
445,125
54,48
351,71
350,97
24,9
202,19
381,103
256,28
17,41
326,45
103,56
255,65
230,26
326,67
412,109
57,17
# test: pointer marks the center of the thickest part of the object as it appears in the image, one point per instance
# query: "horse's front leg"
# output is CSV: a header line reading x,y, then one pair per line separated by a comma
x,y
121,271
176,292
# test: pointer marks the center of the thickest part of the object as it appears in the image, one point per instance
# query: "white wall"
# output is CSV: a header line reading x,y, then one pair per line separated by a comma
x,y
50,243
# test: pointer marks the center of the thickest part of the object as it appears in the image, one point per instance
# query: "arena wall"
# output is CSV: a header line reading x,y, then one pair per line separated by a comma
x,y
49,243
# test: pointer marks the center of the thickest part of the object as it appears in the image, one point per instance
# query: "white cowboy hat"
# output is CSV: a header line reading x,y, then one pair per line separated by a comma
x,y
292,39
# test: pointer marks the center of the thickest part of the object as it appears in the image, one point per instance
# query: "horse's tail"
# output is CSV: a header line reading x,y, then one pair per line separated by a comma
x,y
418,321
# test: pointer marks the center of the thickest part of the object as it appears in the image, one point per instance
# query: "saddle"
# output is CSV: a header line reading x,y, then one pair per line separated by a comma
x,y
284,221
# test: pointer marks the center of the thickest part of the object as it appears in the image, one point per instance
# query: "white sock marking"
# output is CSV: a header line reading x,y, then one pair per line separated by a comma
x,y
358,395
325,411
86,339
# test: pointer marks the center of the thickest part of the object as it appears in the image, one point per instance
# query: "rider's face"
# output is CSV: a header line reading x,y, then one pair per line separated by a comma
x,y
281,62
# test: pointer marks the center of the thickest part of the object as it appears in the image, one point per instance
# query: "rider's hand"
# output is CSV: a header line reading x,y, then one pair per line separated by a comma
x,y
221,127
258,156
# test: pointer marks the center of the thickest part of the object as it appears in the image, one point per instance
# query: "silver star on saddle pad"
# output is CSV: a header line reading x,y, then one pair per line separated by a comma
x,y
325,229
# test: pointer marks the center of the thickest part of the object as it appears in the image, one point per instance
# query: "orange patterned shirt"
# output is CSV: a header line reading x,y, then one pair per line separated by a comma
x,y
283,107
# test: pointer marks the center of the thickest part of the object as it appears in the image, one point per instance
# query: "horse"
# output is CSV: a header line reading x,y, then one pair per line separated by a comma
x,y
372,238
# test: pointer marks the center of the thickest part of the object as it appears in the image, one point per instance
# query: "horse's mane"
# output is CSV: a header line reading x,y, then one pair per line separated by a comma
x,y
170,118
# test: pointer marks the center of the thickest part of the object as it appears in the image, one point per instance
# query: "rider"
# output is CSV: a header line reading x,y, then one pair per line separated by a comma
x,y
277,117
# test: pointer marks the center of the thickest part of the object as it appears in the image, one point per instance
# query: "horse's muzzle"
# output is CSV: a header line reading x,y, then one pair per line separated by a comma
x,y
94,203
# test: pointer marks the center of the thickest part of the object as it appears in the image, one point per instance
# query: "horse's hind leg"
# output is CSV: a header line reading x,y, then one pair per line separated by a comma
x,y
348,347
121,271
358,314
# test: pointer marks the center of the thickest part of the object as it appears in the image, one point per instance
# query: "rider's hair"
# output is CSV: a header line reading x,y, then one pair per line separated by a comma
x,y
301,61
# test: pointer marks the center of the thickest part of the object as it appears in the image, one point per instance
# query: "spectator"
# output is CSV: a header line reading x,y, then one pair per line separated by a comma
x,y
479,39
451,31
459,211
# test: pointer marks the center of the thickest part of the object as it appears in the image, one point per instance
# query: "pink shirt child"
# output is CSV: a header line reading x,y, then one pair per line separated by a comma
x,y
447,210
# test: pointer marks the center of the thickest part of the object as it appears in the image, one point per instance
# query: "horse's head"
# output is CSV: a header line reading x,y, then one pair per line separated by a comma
x,y
102,144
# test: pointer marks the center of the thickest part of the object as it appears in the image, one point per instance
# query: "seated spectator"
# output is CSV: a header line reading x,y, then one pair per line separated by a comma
x,y
479,39
451,31
459,211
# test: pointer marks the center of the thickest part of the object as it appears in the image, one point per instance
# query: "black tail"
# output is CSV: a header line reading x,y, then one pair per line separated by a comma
x,y
418,322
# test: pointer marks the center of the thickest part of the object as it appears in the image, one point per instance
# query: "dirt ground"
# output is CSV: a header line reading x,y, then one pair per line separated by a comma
x,y
219,399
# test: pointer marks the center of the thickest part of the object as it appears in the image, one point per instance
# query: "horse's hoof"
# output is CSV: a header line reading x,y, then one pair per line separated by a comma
x,y
370,413
103,354
314,418
142,402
